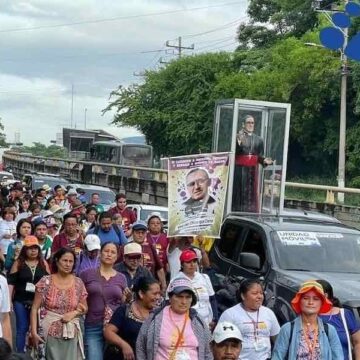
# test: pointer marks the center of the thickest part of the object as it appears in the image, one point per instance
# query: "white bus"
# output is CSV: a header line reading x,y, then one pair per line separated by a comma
x,y
116,152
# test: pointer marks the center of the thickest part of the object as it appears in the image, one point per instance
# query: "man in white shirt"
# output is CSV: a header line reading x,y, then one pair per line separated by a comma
x,y
5,325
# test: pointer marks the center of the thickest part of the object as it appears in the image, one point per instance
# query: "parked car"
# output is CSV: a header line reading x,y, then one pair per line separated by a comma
x,y
285,251
36,181
5,176
143,211
107,196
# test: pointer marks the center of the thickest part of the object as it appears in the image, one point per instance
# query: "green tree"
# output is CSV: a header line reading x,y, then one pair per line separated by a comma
x,y
3,143
174,106
40,149
273,20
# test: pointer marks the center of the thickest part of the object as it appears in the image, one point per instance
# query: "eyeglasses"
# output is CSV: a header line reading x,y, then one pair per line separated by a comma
x,y
201,181
249,122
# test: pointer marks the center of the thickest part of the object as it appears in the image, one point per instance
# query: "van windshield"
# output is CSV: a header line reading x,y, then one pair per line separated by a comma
x,y
52,182
146,213
317,251
106,197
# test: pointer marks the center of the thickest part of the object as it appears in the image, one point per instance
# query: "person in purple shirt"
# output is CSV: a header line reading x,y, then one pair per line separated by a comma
x,y
89,257
344,322
106,288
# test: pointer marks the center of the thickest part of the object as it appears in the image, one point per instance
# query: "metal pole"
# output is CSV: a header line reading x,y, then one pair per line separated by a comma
x,y
85,111
342,133
72,105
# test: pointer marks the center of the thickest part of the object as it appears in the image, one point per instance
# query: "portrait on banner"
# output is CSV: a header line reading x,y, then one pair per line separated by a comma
x,y
197,193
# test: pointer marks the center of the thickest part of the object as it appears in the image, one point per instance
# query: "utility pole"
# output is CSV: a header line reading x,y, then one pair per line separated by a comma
x,y
179,46
72,106
342,134
85,112
343,97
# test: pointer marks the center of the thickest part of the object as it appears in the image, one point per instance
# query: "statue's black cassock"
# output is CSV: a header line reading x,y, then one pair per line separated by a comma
x,y
248,155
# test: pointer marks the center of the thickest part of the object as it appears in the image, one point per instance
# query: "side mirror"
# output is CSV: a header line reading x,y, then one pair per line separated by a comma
x,y
250,260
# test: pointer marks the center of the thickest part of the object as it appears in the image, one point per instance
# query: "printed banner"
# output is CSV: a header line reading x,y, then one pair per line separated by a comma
x,y
197,193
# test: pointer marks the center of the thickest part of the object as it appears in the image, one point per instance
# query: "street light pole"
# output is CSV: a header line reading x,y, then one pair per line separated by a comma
x,y
342,132
85,113
343,90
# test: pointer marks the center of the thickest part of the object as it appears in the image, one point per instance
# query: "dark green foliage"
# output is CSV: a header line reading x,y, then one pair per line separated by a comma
x,y
43,150
273,20
174,107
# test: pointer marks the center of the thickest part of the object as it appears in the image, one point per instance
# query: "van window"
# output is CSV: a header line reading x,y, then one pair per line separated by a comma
x,y
237,239
230,241
253,243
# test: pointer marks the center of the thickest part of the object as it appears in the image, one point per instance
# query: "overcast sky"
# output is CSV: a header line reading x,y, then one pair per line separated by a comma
x,y
95,45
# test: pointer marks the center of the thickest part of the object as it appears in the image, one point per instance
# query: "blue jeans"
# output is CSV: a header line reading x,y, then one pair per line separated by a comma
x,y
22,314
94,342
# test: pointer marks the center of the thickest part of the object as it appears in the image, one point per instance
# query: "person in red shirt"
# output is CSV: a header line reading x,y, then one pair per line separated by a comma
x,y
157,237
128,215
70,237
151,259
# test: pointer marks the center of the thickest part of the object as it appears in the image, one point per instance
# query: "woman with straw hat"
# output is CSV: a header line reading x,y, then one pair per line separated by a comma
x,y
307,338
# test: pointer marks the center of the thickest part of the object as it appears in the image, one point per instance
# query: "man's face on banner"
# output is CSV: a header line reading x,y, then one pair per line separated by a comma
x,y
197,184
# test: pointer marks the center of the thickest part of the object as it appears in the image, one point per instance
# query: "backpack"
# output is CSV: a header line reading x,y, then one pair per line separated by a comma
x,y
292,324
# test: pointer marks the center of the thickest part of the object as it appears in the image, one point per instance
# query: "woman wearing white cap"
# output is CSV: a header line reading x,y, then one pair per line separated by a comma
x,y
89,257
175,332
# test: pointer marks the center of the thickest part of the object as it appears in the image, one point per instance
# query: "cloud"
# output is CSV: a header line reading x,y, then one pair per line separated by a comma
x,y
96,55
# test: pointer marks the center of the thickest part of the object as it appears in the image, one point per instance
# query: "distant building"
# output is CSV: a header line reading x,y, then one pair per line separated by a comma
x,y
78,142
59,139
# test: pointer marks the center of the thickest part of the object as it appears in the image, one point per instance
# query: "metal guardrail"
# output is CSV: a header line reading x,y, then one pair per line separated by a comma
x,y
66,165
158,175
330,190
334,189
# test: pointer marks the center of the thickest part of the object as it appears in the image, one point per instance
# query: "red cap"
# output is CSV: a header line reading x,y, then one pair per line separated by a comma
x,y
188,255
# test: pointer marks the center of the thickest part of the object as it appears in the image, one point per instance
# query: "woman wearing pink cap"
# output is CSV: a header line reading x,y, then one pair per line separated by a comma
x,y
306,337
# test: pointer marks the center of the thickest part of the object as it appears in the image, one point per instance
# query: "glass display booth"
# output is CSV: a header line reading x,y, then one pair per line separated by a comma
x,y
256,133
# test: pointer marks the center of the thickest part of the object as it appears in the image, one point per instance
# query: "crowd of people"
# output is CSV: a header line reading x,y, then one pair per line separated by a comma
x,y
85,283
